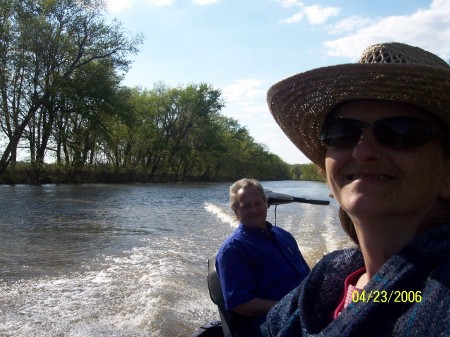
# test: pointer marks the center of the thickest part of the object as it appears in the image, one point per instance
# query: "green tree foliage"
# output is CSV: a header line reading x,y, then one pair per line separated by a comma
x,y
46,48
61,99
306,172
179,134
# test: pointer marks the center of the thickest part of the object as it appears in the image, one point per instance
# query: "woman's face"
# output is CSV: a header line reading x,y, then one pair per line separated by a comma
x,y
371,179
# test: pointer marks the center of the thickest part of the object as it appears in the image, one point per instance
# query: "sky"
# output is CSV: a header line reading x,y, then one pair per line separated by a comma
x,y
242,47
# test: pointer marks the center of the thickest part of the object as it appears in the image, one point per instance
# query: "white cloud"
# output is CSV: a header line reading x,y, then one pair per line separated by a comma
x,y
279,143
289,3
243,91
319,15
349,24
161,2
294,18
246,102
427,28
204,2
116,6
119,5
315,13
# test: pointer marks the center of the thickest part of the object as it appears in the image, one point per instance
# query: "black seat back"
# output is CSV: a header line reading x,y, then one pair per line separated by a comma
x,y
215,292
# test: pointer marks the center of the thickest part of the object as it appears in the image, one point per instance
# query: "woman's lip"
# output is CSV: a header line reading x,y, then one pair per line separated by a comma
x,y
369,176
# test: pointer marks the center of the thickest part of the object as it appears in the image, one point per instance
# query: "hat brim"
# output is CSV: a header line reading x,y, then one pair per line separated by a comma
x,y
300,103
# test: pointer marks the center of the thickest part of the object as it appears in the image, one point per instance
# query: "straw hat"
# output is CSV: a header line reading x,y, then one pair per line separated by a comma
x,y
390,71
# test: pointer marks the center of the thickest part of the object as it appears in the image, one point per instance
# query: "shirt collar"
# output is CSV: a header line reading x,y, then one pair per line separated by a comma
x,y
248,229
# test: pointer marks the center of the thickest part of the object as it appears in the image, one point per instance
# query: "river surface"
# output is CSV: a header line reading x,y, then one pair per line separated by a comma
x,y
129,260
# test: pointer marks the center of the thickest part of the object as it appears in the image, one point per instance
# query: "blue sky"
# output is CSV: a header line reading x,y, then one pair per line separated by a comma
x,y
242,47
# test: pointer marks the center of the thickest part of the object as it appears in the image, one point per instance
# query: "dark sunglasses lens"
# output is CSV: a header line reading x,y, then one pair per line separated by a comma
x,y
402,132
341,133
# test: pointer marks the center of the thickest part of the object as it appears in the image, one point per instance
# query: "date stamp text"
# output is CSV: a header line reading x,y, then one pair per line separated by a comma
x,y
383,296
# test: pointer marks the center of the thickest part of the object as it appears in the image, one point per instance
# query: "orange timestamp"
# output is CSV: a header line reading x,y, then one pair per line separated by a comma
x,y
383,296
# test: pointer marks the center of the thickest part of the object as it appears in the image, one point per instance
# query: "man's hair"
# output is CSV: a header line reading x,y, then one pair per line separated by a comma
x,y
243,184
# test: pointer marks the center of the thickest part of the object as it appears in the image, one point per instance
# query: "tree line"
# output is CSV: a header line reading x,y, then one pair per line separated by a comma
x,y
62,103
310,172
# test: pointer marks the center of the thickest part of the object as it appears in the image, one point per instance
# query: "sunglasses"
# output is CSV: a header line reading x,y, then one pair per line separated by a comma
x,y
396,132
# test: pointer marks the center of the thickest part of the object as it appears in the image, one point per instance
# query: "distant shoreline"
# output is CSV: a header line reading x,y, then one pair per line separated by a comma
x,y
26,173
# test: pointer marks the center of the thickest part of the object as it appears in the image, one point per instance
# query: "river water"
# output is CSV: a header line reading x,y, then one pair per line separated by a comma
x,y
129,260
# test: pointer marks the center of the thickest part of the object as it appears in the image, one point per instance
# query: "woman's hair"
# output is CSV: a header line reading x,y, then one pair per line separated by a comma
x,y
348,225
244,183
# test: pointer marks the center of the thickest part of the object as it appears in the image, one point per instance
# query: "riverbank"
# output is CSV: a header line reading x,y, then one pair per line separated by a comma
x,y
30,174
25,173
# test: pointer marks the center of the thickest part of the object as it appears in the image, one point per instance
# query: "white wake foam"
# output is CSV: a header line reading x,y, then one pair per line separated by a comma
x,y
222,214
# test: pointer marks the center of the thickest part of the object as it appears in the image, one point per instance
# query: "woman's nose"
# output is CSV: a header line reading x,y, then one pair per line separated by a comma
x,y
367,147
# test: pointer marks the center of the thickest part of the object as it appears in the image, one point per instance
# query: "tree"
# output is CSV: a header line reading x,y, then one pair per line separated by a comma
x,y
194,109
90,95
179,134
309,172
46,44
165,131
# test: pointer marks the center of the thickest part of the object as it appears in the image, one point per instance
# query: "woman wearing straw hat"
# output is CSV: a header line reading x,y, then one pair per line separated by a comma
x,y
380,131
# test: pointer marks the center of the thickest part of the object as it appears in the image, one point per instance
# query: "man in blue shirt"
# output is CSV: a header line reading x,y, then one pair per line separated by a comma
x,y
259,263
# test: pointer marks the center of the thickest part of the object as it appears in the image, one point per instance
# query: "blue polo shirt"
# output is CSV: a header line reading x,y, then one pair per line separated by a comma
x,y
259,263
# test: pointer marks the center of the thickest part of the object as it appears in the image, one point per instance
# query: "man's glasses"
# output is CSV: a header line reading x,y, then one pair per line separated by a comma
x,y
396,132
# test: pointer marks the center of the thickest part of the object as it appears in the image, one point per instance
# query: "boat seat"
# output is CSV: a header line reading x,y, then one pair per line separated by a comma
x,y
215,292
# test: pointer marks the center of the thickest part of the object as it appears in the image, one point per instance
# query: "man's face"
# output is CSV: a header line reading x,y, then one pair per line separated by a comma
x,y
252,208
